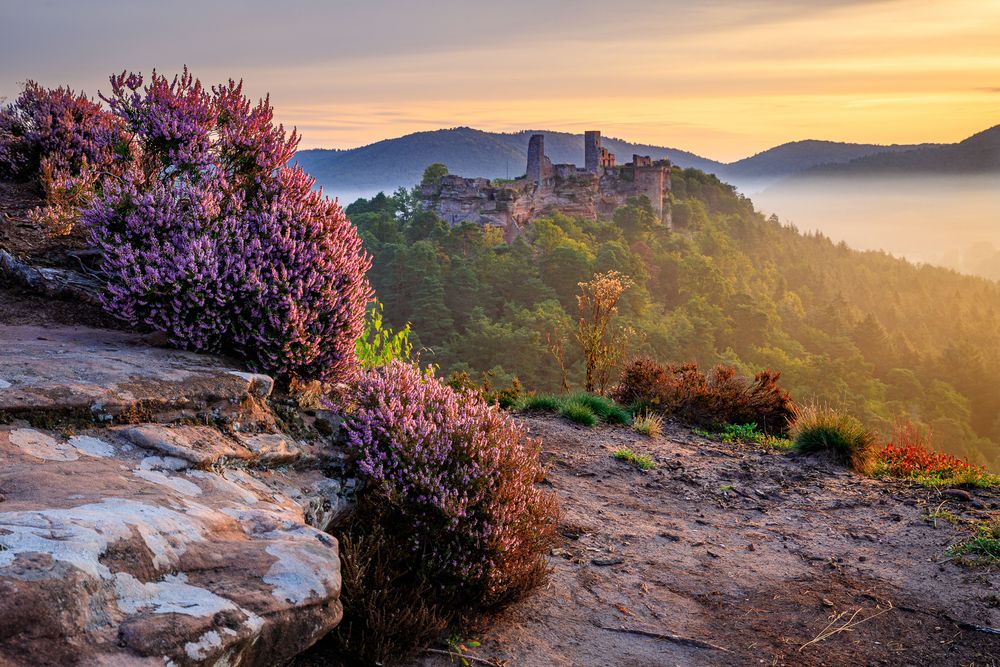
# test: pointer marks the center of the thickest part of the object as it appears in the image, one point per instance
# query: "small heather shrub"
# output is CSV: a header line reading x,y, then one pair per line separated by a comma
x,y
707,400
643,462
68,130
909,455
823,430
454,477
212,238
648,423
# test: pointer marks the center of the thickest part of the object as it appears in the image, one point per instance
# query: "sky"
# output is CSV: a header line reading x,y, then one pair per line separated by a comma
x,y
721,79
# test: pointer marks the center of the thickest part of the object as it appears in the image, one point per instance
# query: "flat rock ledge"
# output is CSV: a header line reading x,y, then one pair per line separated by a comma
x,y
153,543
109,375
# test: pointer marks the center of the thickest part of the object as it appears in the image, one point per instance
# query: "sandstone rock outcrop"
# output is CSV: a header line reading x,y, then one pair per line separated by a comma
x,y
155,542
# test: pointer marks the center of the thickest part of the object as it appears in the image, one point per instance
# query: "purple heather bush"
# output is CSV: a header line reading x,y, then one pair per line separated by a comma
x,y
453,479
67,130
65,142
211,237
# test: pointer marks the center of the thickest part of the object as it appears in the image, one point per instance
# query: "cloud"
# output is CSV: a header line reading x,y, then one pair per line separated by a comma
x,y
727,77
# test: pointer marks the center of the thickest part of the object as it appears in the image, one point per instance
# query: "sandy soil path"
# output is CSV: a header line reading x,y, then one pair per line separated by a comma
x,y
733,555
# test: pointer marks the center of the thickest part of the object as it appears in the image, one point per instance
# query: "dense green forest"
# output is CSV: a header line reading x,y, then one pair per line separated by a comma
x,y
863,331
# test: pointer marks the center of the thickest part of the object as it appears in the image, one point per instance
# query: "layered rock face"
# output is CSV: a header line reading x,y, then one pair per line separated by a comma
x,y
156,538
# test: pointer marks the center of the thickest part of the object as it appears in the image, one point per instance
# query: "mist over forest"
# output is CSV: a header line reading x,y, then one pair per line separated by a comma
x,y
948,220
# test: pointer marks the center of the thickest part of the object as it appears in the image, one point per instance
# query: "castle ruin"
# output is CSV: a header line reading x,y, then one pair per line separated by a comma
x,y
593,192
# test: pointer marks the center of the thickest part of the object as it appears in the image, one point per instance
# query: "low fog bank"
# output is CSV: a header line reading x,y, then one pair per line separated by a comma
x,y
950,221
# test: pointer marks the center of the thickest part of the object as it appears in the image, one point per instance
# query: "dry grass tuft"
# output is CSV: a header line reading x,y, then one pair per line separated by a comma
x,y
819,429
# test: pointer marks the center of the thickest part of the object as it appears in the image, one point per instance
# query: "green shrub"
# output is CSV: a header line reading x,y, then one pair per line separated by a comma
x,y
581,407
641,461
817,429
540,403
579,413
740,433
379,345
603,408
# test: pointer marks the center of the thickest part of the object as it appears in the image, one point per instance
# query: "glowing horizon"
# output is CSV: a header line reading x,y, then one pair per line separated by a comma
x,y
723,82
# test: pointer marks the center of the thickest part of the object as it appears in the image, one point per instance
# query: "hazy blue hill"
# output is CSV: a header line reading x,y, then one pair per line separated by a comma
x,y
389,164
797,156
979,154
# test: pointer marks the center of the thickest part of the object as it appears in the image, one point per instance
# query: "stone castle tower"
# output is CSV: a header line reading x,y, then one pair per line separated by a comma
x,y
592,150
536,159
592,192
596,157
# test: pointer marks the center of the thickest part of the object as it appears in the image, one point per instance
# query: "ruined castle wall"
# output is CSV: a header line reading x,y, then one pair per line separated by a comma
x,y
566,171
652,182
592,193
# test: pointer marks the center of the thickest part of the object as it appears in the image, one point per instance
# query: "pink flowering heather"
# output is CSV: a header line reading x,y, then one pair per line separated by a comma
x,y
59,125
215,240
456,477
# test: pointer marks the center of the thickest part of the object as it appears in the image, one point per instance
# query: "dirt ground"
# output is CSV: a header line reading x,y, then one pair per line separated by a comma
x,y
734,555
28,240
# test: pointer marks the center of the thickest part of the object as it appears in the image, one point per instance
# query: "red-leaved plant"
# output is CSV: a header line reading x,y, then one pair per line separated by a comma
x,y
909,455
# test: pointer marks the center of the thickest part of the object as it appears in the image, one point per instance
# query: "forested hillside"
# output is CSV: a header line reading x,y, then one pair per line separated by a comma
x,y
877,336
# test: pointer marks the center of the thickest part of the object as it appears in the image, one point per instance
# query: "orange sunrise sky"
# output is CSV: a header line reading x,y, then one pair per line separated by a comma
x,y
700,76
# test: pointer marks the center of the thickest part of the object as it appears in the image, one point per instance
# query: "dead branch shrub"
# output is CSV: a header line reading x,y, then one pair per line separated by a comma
x,y
390,608
708,400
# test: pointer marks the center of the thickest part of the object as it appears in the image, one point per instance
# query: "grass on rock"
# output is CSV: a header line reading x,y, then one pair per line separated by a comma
x,y
984,546
580,407
643,462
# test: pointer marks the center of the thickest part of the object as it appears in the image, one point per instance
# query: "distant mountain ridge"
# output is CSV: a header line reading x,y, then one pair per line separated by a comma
x,y
979,154
392,163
